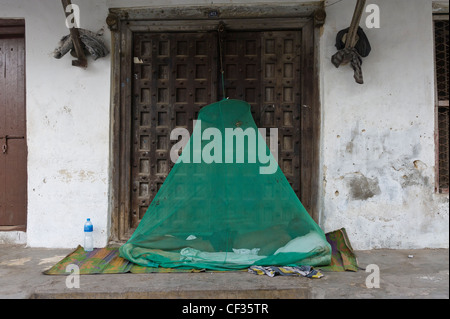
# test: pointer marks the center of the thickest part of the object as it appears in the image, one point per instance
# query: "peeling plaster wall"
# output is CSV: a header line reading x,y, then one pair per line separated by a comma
x,y
377,147
378,151
67,128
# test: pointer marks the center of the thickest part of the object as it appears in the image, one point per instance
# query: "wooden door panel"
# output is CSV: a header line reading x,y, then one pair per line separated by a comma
x,y
13,149
175,74
14,206
263,68
177,77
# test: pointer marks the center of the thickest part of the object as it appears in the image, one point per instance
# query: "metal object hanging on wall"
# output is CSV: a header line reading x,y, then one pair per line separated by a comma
x,y
352,44
4,147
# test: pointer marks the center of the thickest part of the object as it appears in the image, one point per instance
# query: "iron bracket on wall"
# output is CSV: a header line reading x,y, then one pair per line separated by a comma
x,y
81,60
349,53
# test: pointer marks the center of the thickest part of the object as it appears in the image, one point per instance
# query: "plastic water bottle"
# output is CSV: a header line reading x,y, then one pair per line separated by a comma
x,y
88,239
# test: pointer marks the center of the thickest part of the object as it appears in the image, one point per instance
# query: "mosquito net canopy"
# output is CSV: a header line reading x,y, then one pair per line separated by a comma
x,y
226,203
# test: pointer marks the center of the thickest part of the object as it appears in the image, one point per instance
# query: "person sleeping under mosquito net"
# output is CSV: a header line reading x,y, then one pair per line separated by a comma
x,y
291,243
295,236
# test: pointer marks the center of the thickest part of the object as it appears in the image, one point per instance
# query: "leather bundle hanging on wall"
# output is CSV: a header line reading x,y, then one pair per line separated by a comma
x,y
362,45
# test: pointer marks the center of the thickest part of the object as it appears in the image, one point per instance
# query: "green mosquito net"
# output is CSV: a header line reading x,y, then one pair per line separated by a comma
x,y
226,204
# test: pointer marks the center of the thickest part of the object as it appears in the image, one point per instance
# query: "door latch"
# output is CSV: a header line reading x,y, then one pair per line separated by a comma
x,y
6,138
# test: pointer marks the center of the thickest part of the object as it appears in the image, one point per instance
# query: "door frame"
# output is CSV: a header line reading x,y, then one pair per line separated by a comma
x,y
124,21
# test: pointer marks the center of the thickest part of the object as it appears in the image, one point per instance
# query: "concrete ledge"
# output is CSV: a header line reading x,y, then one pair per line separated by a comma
x,y
293,293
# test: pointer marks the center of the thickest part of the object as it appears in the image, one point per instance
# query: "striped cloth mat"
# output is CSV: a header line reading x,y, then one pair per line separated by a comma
x,y
103,261
107,260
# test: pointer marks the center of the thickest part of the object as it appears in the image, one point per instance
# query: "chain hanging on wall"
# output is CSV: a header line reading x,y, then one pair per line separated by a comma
x,y
221,33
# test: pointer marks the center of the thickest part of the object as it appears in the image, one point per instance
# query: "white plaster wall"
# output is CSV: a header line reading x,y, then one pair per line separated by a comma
x,y
378,154
67,128
377,148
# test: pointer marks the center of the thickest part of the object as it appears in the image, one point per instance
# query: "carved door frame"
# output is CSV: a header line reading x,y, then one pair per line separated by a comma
x,y
125,22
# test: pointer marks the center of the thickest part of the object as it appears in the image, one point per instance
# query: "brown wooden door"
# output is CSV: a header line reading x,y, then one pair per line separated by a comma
x,y
263,68
175,74
13,149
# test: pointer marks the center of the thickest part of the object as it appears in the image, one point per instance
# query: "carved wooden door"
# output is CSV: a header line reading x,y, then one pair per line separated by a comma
x,y
175,74
263,68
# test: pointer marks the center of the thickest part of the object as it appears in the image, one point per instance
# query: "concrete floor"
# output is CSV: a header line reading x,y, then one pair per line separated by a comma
x,y
402,274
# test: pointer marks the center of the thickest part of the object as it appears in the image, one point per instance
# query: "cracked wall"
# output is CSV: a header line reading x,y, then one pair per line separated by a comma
x,y
378,138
